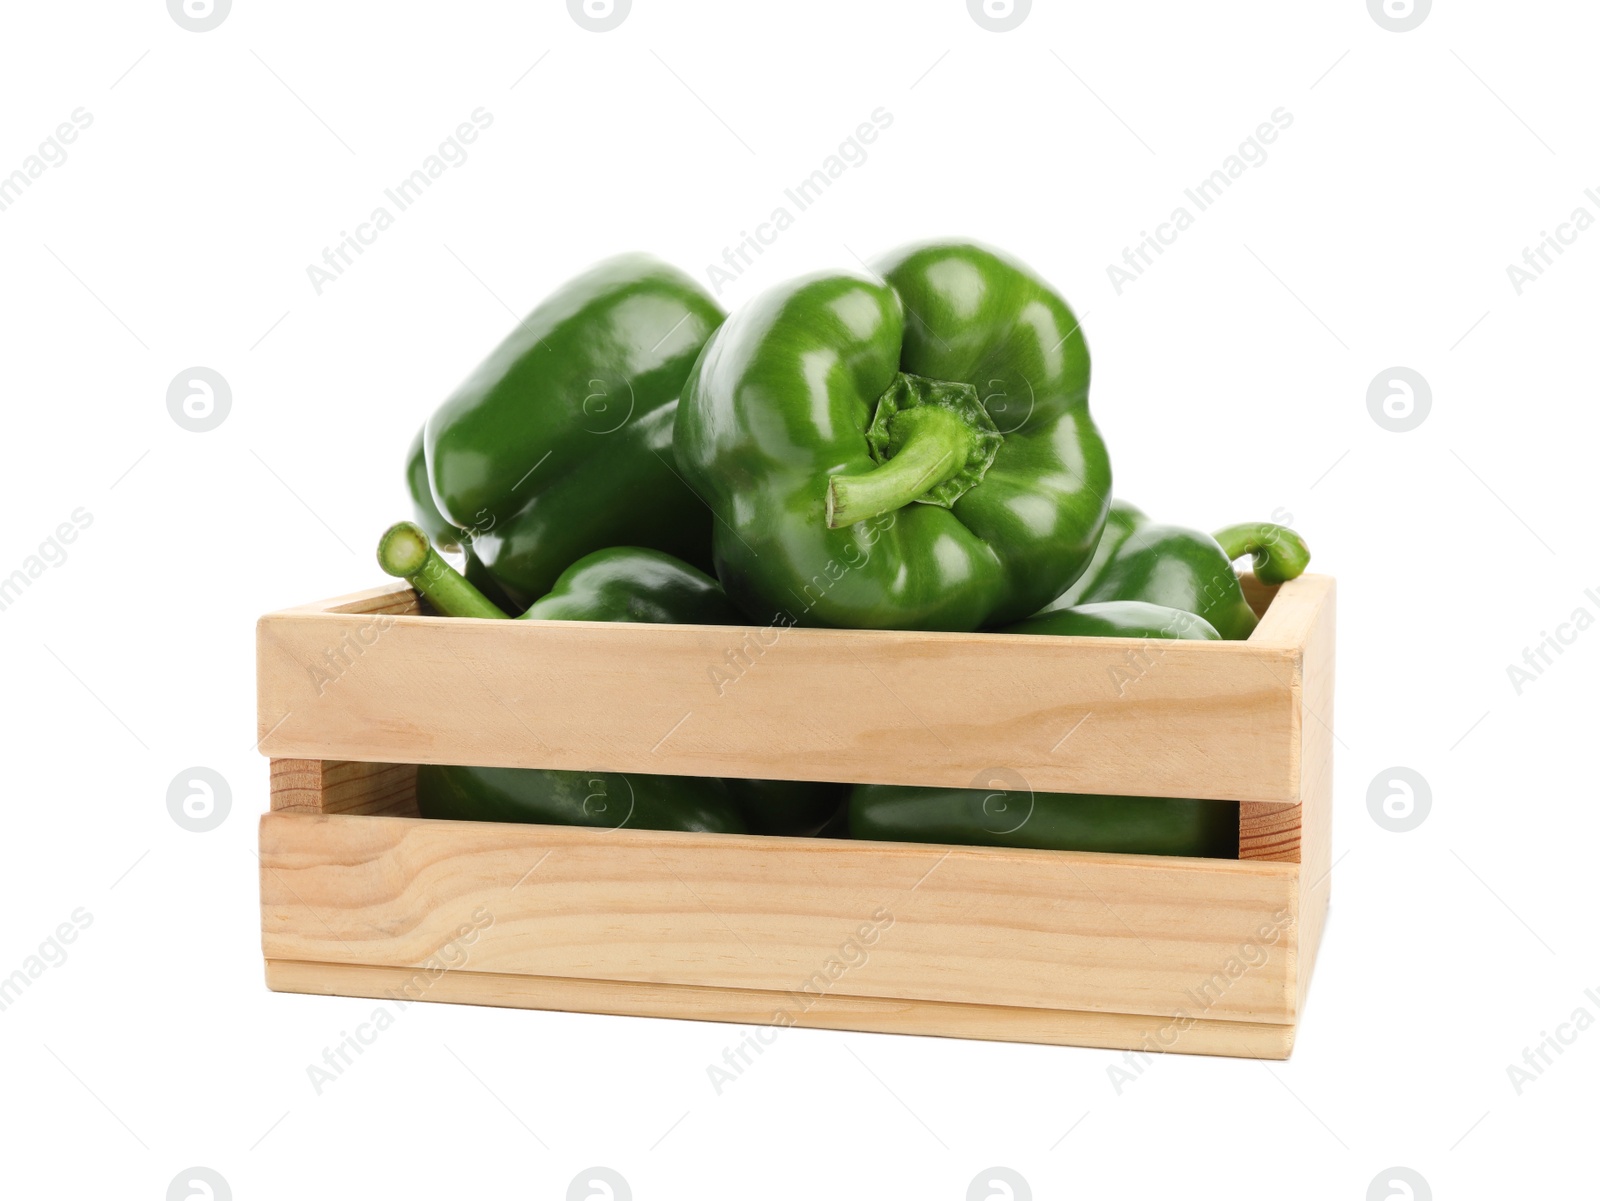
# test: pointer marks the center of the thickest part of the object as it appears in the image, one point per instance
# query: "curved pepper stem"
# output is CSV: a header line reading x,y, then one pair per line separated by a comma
x,y
1277,553
932,441
404,551
932,454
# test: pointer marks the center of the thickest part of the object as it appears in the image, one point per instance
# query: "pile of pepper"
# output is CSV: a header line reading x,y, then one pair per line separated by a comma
x,y
905,448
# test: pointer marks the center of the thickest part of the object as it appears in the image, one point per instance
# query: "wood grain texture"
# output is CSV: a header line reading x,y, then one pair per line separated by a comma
x,y
1316,852
392,597
753,1007
1268,831
1110,716
332,786
1150,954
1036,929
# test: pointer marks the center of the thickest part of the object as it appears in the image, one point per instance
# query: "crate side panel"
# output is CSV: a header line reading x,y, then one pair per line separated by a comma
x,y
1317,762
754,1007
1316,691
1104,933
1108,716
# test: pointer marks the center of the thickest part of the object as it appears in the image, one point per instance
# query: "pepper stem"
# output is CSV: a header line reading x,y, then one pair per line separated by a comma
x,y
935,448
404,551
1277,553
932,440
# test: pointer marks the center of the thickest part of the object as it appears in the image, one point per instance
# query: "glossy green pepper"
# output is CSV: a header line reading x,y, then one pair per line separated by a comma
x,y
1116,619
559,443
577,798
632,583
1050,821
619,583
1277,554
1121,518
906,450
445,534
616,584
1140,560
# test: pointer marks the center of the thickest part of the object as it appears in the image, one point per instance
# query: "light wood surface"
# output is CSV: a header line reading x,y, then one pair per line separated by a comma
x,y
390,597
1044,929
1317,756
1091,950
1268,831
331,786
751,1007
1215,720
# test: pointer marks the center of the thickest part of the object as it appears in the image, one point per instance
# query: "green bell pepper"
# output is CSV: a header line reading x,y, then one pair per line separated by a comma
x,y
631,583
797,808
445,534
1121,518
1277,553
616,584
619,583
1116,619
442,532
1050,821
559,443
1139,560
907,450
576,798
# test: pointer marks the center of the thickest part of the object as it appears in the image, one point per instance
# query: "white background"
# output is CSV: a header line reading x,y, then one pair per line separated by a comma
x,y
1230,380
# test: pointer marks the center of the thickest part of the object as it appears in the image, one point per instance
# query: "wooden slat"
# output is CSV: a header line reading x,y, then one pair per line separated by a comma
x,y
380,600
1314,884
1316,852
1268,831
332,786
392,598
1303,620
753,1007
1295,610
1104,933
1210,720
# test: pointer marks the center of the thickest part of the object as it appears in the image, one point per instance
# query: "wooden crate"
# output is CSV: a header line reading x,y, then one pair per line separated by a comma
x,y
360,897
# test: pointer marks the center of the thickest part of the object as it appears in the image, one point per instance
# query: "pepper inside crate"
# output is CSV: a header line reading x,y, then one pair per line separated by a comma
x,y
640,585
